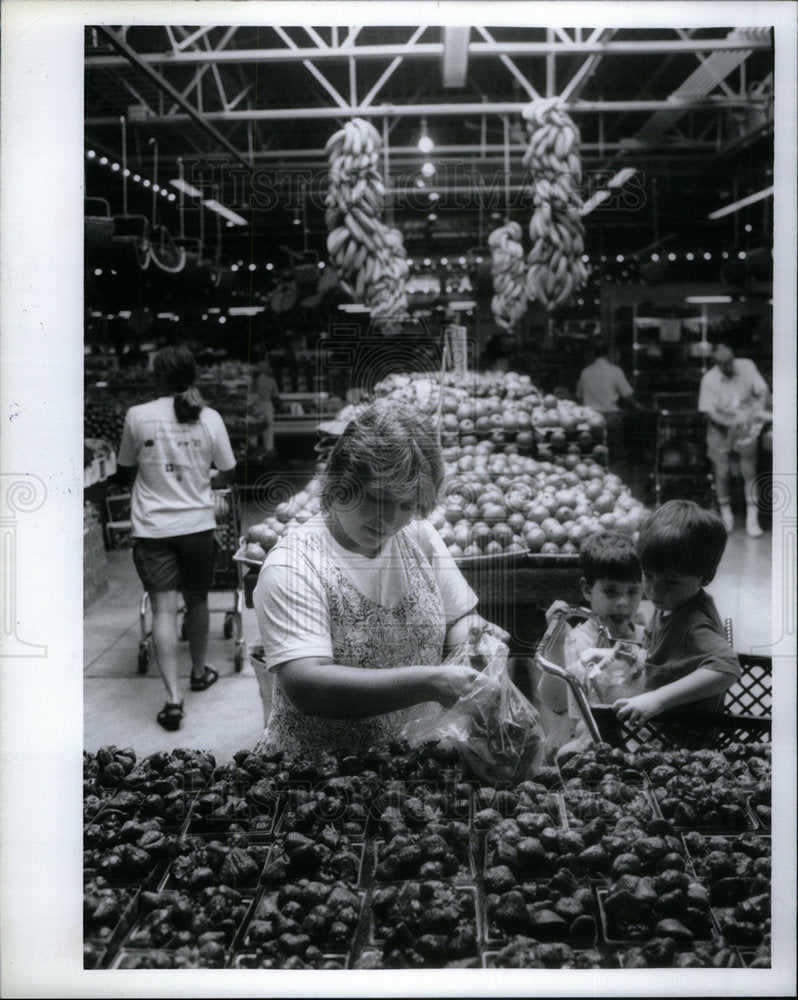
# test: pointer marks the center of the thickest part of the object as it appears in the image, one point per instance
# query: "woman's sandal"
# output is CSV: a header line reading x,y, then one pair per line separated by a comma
x,y
171,715
210,676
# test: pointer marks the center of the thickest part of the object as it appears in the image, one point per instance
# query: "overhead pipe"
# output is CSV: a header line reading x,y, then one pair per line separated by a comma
x,y
707,103
436,49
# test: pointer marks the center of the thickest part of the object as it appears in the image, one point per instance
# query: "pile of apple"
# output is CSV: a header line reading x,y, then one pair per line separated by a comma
x,y
499,501
287,514
501,407
496,500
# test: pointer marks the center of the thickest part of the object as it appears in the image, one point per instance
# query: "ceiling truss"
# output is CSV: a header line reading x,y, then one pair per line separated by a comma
x,y
708,88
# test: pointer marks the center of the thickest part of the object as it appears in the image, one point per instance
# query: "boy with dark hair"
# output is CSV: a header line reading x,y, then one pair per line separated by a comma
x,y
688,659
611,585
612,588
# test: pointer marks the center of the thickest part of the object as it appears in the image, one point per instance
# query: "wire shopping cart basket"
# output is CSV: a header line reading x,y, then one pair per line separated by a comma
x,y
227,577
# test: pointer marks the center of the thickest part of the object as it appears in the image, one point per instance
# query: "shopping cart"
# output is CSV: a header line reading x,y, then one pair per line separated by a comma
x,y
745,717
227,576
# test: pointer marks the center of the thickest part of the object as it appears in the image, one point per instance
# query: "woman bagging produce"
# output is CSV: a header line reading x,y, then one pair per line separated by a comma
x,y
358,606
170,444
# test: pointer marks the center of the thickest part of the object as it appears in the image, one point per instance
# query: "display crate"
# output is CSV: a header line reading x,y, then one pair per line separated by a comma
x,y
168,920
701,925
268,918
552,915
693,731
393,905
252,959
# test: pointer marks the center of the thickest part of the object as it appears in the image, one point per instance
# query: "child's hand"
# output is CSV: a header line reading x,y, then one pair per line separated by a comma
x,y
596,658
553,609
638,709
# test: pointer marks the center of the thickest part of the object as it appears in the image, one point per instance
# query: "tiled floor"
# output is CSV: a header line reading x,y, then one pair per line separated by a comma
x,y
120,706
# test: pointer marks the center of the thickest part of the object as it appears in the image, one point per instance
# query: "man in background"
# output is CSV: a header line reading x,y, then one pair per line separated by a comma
x,y
601,386
735,398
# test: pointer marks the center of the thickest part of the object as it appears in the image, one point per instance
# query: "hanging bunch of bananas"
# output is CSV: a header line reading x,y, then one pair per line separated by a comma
x,y
369,257
507,266
556,269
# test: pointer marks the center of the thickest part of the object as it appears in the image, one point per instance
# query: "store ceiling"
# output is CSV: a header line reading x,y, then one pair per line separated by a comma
x,y
248,110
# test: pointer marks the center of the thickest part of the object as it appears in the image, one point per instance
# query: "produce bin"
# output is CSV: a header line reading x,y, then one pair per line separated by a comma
x,y
233,900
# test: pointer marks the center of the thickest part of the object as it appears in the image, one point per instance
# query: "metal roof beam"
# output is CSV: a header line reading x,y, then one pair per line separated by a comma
x,y
392,67
461,108
191,39
493,153
435,50
576,84
507,61
311,68
167,88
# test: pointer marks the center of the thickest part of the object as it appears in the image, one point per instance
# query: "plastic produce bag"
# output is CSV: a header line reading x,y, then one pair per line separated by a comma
x,y
493,727
618,672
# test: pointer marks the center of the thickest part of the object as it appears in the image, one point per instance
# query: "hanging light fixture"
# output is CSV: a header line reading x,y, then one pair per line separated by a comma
x,y
428,169
425,143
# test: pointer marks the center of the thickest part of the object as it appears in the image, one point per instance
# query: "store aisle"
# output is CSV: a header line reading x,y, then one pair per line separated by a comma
x,y
120,706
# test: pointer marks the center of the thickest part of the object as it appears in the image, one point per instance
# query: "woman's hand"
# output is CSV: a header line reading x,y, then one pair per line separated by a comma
x,y
480,646
452,682
638,709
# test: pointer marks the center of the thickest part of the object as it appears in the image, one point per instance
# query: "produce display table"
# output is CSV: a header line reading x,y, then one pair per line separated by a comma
x,y
400,858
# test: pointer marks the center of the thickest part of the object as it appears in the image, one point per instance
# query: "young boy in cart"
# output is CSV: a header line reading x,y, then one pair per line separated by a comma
x,y
685,659
611,585
688,660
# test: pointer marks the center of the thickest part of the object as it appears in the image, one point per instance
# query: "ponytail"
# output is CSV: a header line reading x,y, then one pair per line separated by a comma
x,y
176,370
188,405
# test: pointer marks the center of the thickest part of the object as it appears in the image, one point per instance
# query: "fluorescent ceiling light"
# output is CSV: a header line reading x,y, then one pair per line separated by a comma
x,y
594,201
736,205
462,306
353,307
186,188
621,177
245,310
698,300
226,213
615,182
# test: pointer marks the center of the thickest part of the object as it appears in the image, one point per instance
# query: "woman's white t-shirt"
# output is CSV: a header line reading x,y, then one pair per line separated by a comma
x,y
172,492
290,599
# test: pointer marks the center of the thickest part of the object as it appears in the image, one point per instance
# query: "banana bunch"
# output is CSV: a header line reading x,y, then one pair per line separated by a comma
x,y
507,265
368,256
387,295
556,269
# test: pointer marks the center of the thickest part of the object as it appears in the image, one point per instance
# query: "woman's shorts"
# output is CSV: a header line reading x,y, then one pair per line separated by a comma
x,y
183,562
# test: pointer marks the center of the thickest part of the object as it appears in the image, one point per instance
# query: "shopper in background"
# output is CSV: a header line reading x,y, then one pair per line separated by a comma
x,y
357,605
265,395
499,352
735,398
601,386
171,445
